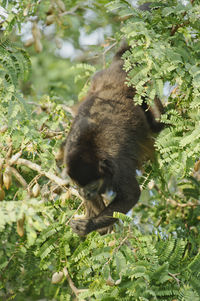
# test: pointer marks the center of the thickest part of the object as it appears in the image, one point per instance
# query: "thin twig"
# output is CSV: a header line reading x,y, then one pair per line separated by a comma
x,y
175,278
105,51
189,204
117,248
69,220
74,289
69,12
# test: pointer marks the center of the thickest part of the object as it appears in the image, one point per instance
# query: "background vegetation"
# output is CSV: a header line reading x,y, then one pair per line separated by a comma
x,y
48,52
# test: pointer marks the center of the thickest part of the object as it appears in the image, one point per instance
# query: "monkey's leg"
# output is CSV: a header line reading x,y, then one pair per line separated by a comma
x,y
127,194
94,207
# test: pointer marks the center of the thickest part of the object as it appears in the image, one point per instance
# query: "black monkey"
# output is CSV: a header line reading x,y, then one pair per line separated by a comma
x,y
109,139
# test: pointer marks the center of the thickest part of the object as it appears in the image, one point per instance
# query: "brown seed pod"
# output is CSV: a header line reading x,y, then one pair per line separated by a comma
x,y
50,10
110,281
50,19
36,31
197,166
57,277
37,36
1,179
7,178
36,190
20,226
2,194
61,5
38,46
1,163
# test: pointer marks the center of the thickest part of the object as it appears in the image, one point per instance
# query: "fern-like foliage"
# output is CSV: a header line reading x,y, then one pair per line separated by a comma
x,y
14,66
152,255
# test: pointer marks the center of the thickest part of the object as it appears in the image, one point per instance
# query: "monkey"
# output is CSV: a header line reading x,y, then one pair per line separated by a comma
x,y
109,139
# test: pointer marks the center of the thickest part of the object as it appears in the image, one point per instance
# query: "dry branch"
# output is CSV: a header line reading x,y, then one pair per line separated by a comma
x,y
74,289
176,204
15,157
47,174
18,177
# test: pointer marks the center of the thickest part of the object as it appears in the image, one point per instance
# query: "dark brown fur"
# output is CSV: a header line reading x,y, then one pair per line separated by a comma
x,y
109,139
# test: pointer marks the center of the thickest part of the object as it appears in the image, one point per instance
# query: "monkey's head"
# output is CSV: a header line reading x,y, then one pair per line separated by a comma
x,y
85,164
90,173
85,172
81,170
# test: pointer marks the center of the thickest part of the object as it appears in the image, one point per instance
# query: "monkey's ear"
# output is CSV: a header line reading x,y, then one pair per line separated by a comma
x,y
106,167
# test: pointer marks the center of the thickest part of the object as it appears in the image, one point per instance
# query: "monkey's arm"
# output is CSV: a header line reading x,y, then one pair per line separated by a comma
x,y
127,195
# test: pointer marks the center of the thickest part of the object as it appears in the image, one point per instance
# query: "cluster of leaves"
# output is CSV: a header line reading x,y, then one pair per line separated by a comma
x,y
154,255
165,48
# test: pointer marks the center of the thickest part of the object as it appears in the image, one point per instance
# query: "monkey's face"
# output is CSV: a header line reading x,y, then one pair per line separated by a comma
x,y
92,190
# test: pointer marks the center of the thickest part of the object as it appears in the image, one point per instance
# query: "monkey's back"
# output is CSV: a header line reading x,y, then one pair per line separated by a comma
x,y
114,125
109,124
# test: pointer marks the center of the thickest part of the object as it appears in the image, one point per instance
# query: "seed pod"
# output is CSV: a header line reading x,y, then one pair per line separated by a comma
x,y
36,190
15,157
37,36
50,10
57,277
118,281
36,31
7,178
50,19
61,5
1,179
38,46
20,226
110,281
59,43
151,184
1,163
2,194
197,166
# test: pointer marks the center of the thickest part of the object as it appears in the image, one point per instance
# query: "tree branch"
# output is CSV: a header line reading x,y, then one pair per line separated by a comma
x,y
176,204
70,12
74,289
175,278
18,177
47,174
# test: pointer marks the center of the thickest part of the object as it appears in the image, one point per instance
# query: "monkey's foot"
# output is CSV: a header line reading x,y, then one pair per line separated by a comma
x,y
82,226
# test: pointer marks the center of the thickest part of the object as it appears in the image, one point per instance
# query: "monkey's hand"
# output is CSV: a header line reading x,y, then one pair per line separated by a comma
x,y
82,226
